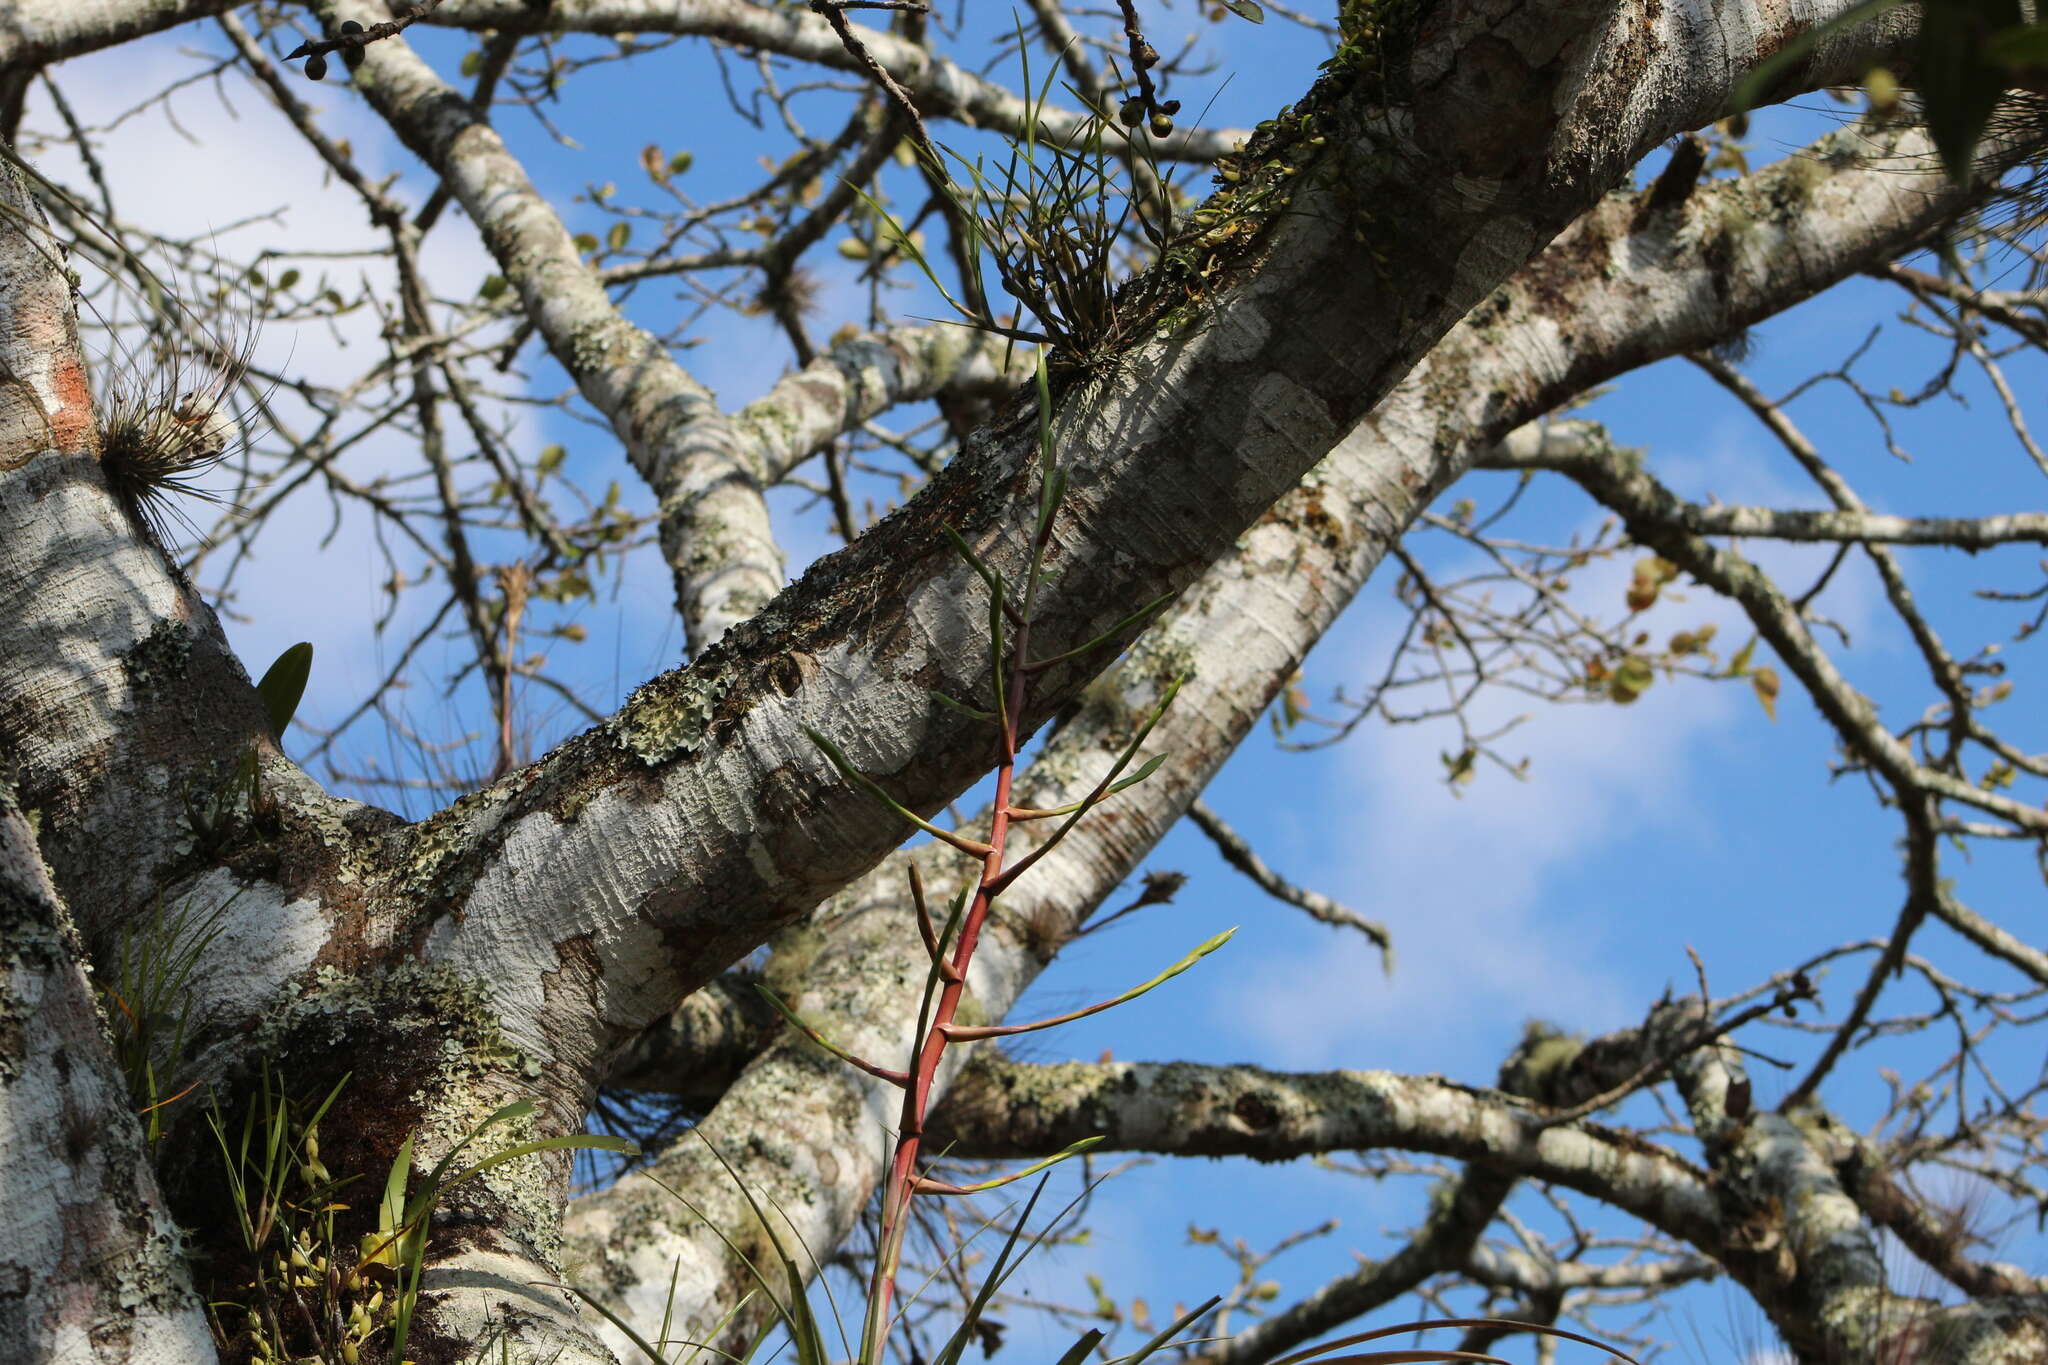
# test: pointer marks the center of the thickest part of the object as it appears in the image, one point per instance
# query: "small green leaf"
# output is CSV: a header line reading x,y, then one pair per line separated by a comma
x,y
284,682
620,234
472,61
962,707
1246,9
493,287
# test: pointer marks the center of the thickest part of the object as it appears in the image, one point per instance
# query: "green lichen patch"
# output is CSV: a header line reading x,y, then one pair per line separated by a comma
x,y
669,717
441,858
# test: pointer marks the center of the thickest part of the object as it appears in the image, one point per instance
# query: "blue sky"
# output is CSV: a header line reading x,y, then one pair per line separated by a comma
x,y
1689,818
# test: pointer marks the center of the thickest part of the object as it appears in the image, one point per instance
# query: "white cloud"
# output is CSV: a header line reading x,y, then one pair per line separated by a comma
x,y
1469,882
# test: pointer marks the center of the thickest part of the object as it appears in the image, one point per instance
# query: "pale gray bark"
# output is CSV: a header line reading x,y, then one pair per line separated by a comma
x,y
92,1268
941,88
34,33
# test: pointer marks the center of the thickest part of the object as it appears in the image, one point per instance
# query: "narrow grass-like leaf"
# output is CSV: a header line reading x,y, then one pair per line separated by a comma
x,y
591,1142
1001,1270
760,1280
962,707
840,761
964,1033
1099,641
1109,779
817,1267
698,1348
640,1343
1083,1347
1321,1354
796,1314
1150,767
1053,494
797,1022
1165,1338
974,560
1070,1150
899,238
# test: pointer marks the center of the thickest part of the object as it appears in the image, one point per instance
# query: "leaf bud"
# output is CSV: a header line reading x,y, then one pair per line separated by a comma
x,y
1132,113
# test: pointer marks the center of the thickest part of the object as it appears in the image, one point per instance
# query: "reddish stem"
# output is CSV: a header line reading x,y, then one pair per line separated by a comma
x,y
902,1181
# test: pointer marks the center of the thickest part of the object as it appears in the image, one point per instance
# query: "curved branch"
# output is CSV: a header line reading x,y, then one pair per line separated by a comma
x,y
941,88
1656,518
1005,1108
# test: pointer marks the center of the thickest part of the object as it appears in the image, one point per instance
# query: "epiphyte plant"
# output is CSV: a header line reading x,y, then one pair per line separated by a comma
x,y
951,945
1052,217
166,418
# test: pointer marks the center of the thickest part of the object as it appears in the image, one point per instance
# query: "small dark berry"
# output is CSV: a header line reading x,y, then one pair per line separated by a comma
x,y
316,67
351,26
1133,113
1161,125
352,57
1170,107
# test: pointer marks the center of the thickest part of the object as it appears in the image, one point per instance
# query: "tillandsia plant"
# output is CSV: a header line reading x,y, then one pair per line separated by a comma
x,y
1052,216
168,405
